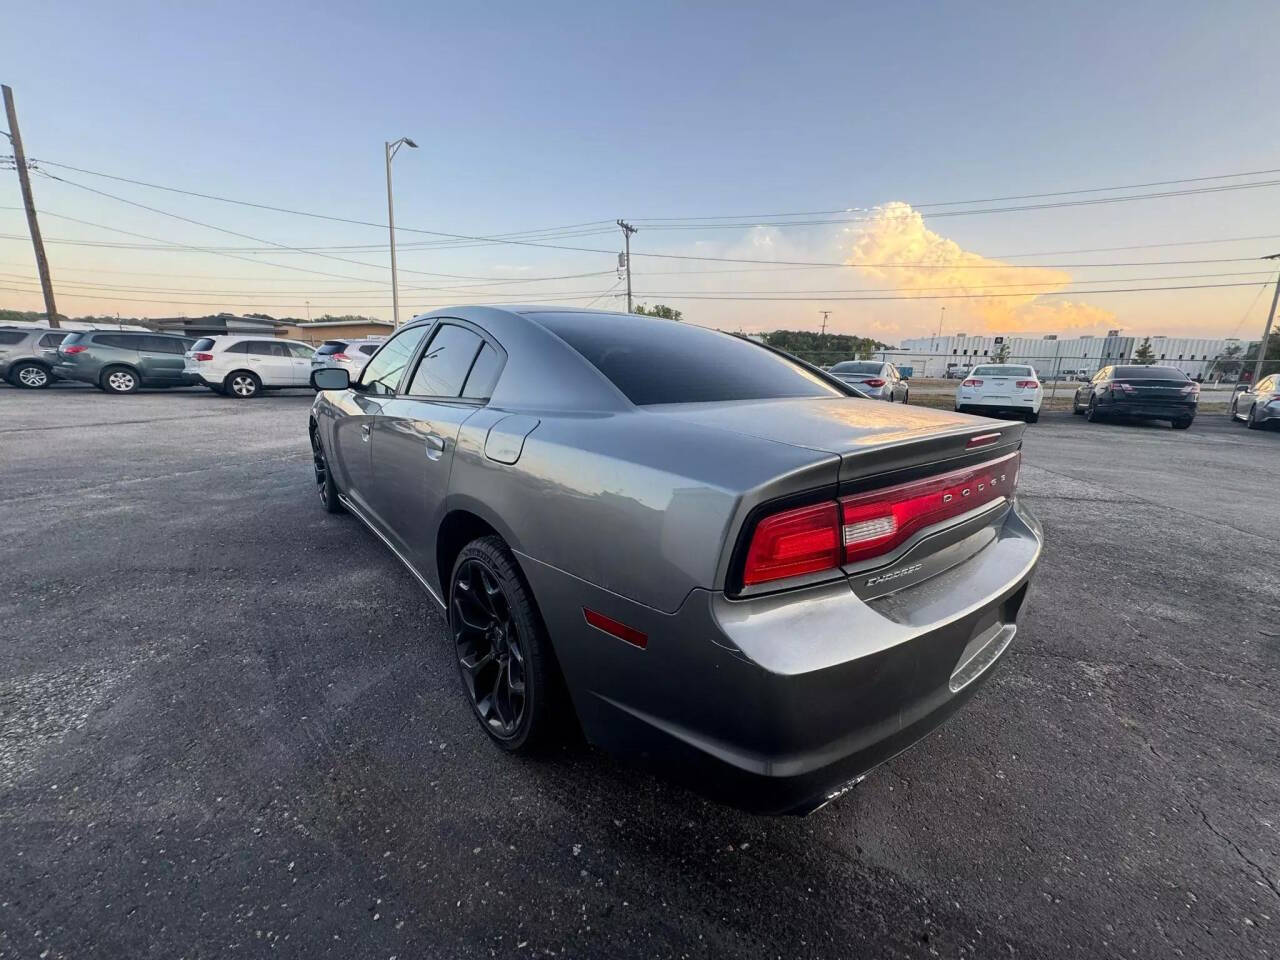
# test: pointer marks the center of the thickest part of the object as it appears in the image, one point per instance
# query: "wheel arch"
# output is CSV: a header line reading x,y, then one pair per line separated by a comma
x,y
466,520
106,369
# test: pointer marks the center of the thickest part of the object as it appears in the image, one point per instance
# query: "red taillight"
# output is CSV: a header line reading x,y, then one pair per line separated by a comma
x,y
825,535
1122,387
874,382
875,523
1191,389
340,356
202,356
971,383
1028,384
74,349
787,544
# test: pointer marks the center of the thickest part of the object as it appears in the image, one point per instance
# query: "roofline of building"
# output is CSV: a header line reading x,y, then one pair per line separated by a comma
x,y
308,324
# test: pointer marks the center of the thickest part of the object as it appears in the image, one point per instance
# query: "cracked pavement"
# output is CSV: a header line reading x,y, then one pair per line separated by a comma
x,y
231,723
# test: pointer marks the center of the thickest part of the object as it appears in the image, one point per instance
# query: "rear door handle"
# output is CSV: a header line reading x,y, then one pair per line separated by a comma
x,y
435,446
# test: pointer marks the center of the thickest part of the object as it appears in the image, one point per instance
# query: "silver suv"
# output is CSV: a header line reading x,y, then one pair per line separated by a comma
x,y
27,355
348,355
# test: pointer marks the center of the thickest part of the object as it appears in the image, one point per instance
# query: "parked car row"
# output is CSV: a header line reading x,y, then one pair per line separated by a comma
x,y
122,361
1001,388
1257,405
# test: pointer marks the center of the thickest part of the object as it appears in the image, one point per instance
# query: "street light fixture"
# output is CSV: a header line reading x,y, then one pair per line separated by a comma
x,y
392,147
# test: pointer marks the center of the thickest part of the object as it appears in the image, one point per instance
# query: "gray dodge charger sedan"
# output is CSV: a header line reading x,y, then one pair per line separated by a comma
x,y
719,560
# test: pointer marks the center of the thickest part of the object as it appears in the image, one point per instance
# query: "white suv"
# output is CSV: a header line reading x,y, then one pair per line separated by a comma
x,y
348,355
243,367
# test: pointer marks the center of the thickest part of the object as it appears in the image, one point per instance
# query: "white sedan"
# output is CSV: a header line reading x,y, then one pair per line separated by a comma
x,y
996,388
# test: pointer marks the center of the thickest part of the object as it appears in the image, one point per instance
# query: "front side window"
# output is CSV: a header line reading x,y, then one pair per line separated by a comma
x,y
382,374
446,362
299,350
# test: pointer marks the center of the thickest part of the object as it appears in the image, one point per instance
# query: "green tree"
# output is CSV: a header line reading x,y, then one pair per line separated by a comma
x,y
1144,355
1270,360
823,349
1001,354
659,310
1228,362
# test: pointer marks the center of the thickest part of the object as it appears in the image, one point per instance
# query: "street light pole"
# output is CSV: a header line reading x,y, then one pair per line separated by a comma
x,y
391,148
1266,333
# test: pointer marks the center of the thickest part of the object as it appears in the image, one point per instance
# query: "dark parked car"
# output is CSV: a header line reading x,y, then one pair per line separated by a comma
x,y
27,356
1145,392
1257,406
716,557
876,379
123,361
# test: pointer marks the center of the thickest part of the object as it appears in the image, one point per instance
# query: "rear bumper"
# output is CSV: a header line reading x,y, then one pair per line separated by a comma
x,y
1148,409
1012,404
778,703
72,371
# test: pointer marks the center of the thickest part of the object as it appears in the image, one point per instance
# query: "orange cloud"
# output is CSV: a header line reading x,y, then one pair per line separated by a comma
x,y
897,234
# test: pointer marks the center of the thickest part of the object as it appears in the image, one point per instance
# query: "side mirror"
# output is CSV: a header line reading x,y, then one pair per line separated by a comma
x,y
331,378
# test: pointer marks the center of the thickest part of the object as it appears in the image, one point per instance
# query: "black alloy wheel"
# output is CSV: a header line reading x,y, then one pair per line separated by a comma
x,y
505,661
328,489
1092,414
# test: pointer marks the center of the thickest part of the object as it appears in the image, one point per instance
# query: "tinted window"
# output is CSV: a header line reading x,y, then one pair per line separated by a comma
x,y
121,341
51,339
9,337
241,347
661,361
1003,370
369,349
265,348
484,374
1151,373
299,350
161,344
446,362
330,347
863,367
204,343
382,374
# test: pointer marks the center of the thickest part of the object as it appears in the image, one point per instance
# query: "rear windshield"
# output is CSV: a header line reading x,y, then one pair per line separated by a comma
x,y
204,343
1150,373
663,361
1003,370
71,338
856,366
330,347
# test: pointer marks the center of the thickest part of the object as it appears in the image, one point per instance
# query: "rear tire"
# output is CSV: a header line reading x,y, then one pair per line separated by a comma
x,y
30,376
505,660
1182,424
1033,416
119,380
960,408
1075,408
1092,414
242,385
1252,420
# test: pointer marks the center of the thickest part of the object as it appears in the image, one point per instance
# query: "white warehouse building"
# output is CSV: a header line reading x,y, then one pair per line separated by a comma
x,y
934,356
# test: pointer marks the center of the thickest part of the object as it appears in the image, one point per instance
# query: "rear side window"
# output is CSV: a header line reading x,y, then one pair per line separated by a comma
x,y
121,341
330,347
299,350
203,344
10,337
52,339
446,362
265,348
161,344
484,374
662,361
369,349
1150,373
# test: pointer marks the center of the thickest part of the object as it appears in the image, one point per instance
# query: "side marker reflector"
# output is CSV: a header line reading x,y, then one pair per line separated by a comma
x,y
616,629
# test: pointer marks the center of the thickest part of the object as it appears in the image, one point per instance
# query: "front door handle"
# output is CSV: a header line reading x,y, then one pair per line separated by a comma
x,y
365,430
435,446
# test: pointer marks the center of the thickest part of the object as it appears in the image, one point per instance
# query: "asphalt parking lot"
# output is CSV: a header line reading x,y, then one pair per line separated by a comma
x,y
231,723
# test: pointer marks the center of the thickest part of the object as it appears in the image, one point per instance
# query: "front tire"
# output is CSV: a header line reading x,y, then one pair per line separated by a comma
x,y
242,385
29,376
119,380
1182,424
1252,420
505,660
324,477
1233,414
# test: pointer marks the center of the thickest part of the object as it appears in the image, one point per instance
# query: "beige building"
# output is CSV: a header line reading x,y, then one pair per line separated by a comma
x,y
318,331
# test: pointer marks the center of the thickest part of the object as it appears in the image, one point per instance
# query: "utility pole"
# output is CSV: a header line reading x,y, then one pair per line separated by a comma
x,y
941,315
391,147
1266,331
627,231
29,202
825,314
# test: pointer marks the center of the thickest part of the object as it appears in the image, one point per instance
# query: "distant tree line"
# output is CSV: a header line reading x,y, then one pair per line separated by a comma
x,y
823,348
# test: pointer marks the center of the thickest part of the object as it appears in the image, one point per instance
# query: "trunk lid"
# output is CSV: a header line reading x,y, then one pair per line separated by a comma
x,y
1155,388
871,439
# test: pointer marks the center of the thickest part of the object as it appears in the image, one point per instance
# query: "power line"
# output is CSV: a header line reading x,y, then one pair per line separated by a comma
x,y
963,296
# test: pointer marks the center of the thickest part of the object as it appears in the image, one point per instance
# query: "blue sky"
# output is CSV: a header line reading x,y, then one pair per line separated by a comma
x,y
535,115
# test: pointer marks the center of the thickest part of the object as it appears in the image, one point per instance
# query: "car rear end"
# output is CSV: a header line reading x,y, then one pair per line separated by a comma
x,y
200,362
868,378
77,358
1001,388
348,355
1150,392
860,602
